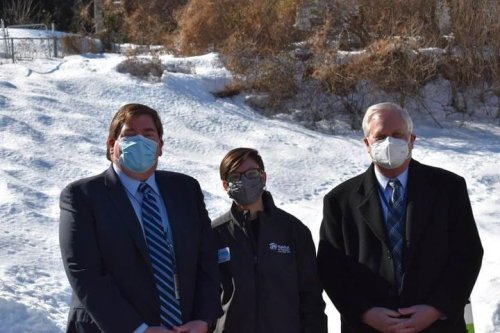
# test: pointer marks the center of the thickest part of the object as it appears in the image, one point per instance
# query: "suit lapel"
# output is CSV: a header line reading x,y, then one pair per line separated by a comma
x,y
419,199
370,205
126,213
173,203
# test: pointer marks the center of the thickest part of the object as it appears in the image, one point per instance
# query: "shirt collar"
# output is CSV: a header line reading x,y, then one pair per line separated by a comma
x,y
383,180
132,185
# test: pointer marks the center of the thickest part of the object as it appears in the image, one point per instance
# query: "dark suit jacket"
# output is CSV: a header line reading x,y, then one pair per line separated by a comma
x,y
442,253
107,263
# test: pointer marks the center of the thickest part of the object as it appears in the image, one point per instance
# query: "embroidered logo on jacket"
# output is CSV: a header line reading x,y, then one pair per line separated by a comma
x,y
279,248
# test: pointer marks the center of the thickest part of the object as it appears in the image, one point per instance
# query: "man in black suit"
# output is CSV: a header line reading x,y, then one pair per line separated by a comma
x,y
105,249
399,250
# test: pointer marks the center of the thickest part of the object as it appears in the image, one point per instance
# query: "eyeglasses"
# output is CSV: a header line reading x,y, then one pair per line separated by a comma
x,y
252,173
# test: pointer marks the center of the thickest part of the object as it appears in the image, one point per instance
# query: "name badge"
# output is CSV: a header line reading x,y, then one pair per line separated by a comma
x,y
224,255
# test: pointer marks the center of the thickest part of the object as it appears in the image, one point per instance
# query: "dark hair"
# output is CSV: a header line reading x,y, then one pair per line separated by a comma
x,y
235,157
125,114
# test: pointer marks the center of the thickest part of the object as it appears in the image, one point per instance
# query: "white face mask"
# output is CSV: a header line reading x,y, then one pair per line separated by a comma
x,y
389,153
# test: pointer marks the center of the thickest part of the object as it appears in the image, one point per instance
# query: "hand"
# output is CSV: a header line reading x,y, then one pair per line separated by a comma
x,y
157,329
383,319
420,317
195,326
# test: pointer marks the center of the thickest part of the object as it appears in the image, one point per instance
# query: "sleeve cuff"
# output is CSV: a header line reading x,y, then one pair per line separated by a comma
x,y
141,329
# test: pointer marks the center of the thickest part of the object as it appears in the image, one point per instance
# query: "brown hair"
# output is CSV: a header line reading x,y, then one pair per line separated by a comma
x,y
235,157
125,114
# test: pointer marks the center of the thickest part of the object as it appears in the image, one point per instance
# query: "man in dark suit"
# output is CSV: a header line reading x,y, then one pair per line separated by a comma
x,y
399,250
119,284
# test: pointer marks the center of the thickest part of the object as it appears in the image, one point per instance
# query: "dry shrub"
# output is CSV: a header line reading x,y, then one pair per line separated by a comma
x,y
140,22
365,21
399,17
276,76
475,23
145,28
72,44
83,19
337,79
334,74
395,66
267,24
390,33
228,25
76,44
393,34
256,38
21,11
149,68
251,34
232,89
476,53
206,24
466,69
392,65
114,20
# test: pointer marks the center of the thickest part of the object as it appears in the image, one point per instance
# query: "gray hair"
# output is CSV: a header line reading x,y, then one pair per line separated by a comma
x,y
381,107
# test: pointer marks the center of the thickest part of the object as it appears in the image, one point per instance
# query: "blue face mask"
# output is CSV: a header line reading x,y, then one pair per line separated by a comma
x,y
138,153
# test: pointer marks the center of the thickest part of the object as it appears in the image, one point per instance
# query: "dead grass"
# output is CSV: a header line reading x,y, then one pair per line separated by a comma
x,y
205,25
393,65
232,89
257,39
274,75
146,68
395,35
141,22
72,44
252,35
76,44
476,27
265,26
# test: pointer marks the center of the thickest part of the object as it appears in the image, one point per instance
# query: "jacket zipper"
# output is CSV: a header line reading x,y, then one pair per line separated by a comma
x,y
249,232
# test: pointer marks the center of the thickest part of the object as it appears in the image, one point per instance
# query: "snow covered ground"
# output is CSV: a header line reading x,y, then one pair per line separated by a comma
x,y
54,117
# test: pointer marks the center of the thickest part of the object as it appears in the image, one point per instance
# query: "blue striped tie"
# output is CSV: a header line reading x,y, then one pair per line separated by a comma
x,y
395,221
162,259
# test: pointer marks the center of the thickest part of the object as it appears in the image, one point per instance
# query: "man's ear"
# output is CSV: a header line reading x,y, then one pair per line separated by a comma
x,y
225,184
111,146
367,144
412,140
160,147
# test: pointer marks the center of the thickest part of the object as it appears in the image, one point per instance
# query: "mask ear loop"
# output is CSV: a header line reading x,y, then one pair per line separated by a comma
x,y
409,148
262,172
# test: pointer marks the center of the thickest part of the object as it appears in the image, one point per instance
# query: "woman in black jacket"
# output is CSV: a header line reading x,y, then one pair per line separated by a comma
x,y
267,257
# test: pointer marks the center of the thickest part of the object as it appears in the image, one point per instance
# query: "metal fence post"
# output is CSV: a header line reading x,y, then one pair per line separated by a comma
x,y
55,46
4,36
12,49
54,38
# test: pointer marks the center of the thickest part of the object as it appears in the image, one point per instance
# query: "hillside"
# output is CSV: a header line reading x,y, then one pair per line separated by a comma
x,y
54,116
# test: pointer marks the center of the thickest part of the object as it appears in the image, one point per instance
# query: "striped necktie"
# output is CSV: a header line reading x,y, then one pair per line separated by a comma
x,y
162,258
395,221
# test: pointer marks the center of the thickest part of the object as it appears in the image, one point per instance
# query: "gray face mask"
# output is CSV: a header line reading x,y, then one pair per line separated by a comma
x,y
246,191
